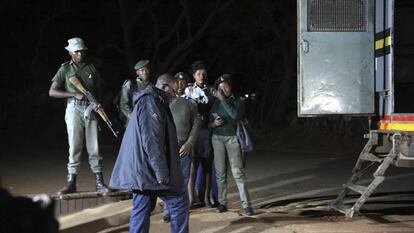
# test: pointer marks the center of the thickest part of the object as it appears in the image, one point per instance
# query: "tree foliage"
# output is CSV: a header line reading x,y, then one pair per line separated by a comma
x,y
253,40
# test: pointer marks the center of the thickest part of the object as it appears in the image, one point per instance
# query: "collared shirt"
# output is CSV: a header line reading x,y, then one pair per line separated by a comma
x,y
202,95
203,98
86,73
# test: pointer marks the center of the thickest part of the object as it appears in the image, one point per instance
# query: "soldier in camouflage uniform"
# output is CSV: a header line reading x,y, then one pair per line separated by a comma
x,y
79,126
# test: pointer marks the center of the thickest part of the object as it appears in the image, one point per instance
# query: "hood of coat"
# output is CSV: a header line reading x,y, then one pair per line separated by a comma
x,y
150,89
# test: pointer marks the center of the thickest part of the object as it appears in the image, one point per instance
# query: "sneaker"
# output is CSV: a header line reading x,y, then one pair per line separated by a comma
x,y
166,218
248,211
221,208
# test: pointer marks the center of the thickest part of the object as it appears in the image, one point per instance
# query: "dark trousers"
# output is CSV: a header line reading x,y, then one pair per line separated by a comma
x,y
141,211
199,184
185,167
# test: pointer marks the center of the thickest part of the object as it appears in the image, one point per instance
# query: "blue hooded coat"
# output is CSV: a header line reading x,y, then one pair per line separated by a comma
x,y
149,149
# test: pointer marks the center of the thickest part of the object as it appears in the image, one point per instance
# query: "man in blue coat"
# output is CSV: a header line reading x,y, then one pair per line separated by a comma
x,y
148,161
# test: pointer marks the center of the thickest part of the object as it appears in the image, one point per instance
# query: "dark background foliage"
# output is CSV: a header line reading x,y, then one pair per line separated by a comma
x,y
253,40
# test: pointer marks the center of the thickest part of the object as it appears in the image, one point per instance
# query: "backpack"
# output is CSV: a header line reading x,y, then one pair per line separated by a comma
x,y
116,101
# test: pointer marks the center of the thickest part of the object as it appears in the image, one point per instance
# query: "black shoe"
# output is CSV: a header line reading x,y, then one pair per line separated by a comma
x,y
215,202
166,218
212,204
221,208
248,211
70,187
198,205
100,185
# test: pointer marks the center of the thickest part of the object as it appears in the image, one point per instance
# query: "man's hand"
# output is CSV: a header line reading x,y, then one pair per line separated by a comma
x,y
164,181
185,149
79,96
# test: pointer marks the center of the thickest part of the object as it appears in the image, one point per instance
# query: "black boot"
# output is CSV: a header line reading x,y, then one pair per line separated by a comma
x,y
100,186
70,186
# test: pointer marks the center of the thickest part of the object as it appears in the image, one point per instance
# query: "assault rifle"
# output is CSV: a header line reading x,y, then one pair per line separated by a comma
x,y
93,104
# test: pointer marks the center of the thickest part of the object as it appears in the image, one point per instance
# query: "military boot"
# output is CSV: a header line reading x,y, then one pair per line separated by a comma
x,y
70,186
100,186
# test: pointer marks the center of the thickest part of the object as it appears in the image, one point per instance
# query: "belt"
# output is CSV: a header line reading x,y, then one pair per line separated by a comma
x,y
78,102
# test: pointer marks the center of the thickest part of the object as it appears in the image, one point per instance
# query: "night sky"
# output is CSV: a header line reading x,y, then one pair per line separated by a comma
x,y
253,40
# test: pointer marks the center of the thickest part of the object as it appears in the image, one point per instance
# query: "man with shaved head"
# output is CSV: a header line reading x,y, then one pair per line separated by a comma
x,y
148,162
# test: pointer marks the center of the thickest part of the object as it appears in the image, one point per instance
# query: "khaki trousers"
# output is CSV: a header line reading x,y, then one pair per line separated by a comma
x,y
227,148
79,128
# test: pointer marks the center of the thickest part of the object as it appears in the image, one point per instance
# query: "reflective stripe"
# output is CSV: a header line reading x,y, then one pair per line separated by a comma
x,y
396,126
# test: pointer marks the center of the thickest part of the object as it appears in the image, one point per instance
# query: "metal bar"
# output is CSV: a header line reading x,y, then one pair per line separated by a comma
x,y
389,58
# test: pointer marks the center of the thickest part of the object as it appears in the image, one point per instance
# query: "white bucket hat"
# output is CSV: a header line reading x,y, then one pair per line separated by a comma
x,y
75,44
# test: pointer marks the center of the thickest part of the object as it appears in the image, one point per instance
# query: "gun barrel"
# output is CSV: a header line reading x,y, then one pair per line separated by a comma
x,y
113,131
104,117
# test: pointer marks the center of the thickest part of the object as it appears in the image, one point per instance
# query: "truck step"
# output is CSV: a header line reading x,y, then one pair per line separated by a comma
x,y
346,210
341,208
356,188
371,157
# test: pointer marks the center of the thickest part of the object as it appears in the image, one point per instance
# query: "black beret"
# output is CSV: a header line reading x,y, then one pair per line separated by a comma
x,y
141,64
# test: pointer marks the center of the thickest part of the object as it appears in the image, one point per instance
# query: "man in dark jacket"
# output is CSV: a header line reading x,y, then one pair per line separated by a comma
x,y
148,161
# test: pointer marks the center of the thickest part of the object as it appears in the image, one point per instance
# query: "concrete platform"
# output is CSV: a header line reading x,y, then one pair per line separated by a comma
x,y
296,215
75,202
96,219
